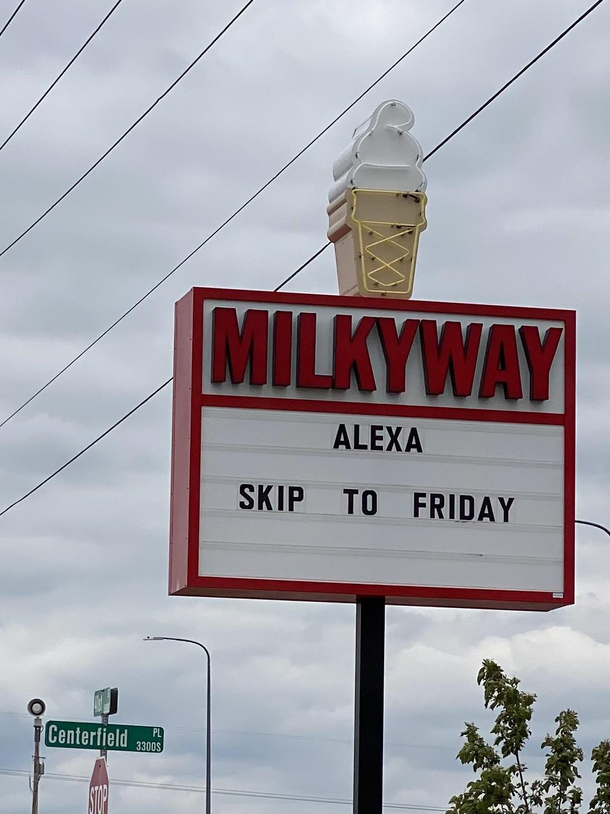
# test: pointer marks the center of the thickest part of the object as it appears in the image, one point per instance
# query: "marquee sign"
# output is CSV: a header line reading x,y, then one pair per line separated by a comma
x,y
332,447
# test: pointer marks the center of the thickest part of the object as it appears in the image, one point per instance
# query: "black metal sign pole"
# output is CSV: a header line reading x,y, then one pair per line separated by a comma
x,y
368,719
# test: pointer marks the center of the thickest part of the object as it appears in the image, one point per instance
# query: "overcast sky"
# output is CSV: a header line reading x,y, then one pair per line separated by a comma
x,y
519,207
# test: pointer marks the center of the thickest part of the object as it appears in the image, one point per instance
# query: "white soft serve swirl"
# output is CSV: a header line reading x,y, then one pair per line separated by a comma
x,y
381,155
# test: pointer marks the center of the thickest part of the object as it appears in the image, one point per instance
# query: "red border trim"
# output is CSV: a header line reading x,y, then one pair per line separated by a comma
x,y
381,303
184,554
348,592
569,481
361,408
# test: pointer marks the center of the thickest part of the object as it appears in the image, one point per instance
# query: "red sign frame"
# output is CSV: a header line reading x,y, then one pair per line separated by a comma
x,y
188,401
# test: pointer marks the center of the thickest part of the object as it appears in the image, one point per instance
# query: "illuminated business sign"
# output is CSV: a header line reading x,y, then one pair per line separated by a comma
x,y
332,447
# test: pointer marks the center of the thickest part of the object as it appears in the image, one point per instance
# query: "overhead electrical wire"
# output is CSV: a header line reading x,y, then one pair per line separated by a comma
x,y
55,81
11,18
132,127
525,68
231,217
133,410
88,447
299,270
223,792
314,256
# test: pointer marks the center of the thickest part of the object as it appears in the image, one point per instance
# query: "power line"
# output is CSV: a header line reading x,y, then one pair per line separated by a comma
x,y
299,270
88,447
525,68
313,257
69,65
473,115
10,19
128,131
226,792
127,415
231,217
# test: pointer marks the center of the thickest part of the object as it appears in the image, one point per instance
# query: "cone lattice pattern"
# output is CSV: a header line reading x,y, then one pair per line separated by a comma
x,y
376,234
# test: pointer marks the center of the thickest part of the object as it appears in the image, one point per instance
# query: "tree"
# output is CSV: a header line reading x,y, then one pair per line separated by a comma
x,y
600,804
501,785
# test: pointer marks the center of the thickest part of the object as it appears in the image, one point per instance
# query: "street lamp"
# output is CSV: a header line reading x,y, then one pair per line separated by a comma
x,y
208,762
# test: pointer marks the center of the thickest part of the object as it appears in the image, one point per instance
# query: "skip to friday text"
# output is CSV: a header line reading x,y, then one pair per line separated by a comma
x,y
426,505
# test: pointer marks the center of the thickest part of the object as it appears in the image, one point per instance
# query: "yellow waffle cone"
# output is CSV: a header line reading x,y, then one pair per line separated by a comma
x,y
376,234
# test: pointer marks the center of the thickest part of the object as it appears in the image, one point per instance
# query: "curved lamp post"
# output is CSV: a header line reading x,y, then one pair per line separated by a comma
x,y
208,761
595,525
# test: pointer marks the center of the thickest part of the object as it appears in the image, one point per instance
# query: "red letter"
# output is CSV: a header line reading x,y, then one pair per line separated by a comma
x,y
501,364
234,349
449,355
306,355
351,351
539,358
282,348
396,350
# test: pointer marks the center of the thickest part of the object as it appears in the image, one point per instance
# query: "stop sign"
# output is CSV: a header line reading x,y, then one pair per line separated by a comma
x,y
98,788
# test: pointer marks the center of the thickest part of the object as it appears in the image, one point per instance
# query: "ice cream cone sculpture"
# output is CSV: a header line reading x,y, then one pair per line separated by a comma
x,y
377,206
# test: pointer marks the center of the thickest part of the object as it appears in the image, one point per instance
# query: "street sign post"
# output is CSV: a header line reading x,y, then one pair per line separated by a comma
x,y
105,703
112,737
99,788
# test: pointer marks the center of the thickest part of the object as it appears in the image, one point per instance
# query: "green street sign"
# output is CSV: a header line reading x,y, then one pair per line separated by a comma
x,y
106,701
114,737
